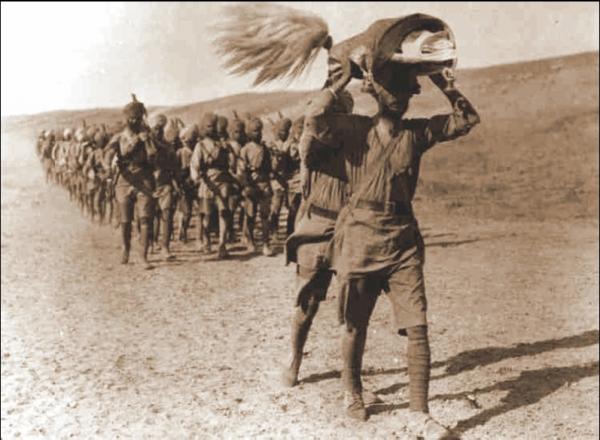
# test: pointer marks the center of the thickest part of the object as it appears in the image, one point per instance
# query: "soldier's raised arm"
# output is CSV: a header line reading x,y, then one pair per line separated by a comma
x,y
441,128
319,131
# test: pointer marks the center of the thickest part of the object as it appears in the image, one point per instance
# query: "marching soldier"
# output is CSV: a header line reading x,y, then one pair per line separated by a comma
x,y
257,192
189,138
59,157
75,165
294,178
135,152
210,169
95,174
109,166
280,166
377,245
325,192
165,174
235,143
46,154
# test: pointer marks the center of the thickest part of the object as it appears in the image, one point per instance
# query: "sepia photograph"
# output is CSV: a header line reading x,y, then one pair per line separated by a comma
x,y
300,220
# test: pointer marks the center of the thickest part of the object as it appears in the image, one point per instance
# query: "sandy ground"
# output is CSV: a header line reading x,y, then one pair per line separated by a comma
x,y
192,349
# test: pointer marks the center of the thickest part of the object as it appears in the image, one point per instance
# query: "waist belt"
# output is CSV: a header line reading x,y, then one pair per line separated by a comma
x,y
322,212
395,208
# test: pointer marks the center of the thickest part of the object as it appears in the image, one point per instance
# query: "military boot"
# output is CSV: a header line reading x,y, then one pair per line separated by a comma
x,y
222,251
267,250
425,427
126,239
145,243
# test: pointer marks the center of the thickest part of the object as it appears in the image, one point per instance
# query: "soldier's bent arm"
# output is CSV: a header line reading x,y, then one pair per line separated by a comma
x,y
441,128
317,132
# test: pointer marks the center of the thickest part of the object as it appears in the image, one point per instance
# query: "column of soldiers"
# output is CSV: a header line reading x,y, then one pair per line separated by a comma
x,y
145,176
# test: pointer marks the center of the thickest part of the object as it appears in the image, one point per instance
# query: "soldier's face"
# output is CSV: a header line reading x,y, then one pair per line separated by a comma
x,y
237,134
394,88
255,135
134,122
283,133
210,129
158,131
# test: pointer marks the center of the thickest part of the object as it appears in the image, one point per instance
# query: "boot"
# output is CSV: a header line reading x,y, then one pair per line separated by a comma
x,y
204,245
267,250
166,238
301,323
126,239
248,240
145,243
353,344
355,406
423,426
273,224
222,251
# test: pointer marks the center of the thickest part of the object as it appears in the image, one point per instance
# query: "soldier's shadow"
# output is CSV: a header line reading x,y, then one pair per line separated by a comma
x,y
527,389
480,357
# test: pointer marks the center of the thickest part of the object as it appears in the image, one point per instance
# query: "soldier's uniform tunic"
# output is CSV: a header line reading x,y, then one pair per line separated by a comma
x,y
210,162
376,234
258,192
135,182
184,206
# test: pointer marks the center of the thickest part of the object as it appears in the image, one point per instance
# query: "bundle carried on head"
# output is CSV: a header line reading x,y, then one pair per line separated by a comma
x,y
279,41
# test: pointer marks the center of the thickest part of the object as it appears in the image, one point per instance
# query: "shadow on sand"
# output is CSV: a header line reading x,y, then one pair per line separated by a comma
x,y
529,388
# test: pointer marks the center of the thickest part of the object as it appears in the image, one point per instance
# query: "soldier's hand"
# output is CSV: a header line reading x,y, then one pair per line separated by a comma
x,y
143,136
444,80
347,73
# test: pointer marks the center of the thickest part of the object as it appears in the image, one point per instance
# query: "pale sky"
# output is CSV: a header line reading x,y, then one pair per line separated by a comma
x,y
84,55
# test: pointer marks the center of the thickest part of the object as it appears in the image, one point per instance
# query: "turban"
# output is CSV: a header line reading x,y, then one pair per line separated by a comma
x,y
100,139
171,131
159,120
222,123
254,125
190,133
135,109
284,124
209,120
236,125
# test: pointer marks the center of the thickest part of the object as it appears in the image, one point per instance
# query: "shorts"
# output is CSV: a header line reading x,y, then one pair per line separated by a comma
x,y
405,288
207,205
185,202
207,201
128,198
165,197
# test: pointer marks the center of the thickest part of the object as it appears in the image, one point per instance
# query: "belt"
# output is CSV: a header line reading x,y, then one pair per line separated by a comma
x,y
396,208
323,212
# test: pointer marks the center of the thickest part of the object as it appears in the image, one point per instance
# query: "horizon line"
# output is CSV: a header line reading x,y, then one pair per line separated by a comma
x,y
250,91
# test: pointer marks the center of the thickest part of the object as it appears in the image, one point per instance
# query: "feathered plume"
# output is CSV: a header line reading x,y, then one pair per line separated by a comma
x,y
277,41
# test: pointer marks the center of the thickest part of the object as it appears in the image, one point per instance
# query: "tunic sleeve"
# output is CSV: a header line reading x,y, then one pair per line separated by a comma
x,y
439,128
318,132
195,163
